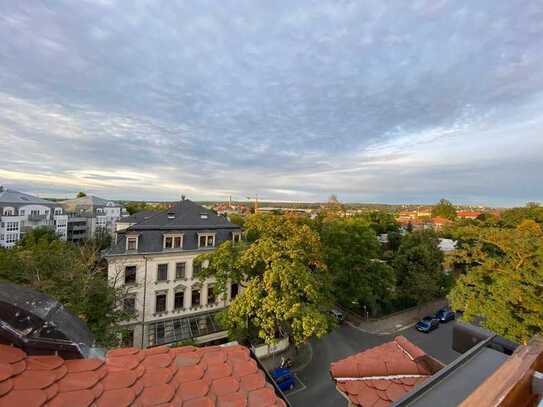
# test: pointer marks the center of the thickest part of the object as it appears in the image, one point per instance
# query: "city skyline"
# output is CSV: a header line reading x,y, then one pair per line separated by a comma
x,y
389,103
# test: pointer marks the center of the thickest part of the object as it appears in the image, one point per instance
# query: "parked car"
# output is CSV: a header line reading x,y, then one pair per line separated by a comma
x,y
445,315
427,324
337,315
284,378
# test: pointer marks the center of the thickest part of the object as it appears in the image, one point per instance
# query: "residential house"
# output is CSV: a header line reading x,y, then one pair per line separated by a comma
x,y
440,222
20,213
154,261
127,221
468,214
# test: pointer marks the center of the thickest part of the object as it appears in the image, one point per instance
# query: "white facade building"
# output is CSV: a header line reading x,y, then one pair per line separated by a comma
x,y
153,261
21,212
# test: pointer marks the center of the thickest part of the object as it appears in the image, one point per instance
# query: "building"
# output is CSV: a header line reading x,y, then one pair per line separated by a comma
x,y
490,372
20,213
153,260
468,214
127,221
440,222
101,214
48,358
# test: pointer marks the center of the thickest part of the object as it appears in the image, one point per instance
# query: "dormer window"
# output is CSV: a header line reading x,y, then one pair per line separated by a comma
x,y
173,241
204,215
171,215
206,240
132,243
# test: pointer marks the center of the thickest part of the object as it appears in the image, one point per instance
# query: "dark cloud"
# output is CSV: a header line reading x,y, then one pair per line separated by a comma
x,y
387,101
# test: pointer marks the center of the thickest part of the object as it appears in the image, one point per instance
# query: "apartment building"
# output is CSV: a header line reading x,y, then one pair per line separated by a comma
x,y
20,212
153,260
100,215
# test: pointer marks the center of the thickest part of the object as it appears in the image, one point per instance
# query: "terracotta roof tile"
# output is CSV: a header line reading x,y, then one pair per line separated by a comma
x,y
161,377
364,377
10,354
232,400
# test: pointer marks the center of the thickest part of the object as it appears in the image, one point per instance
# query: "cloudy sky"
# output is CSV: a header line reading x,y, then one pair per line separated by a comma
x,y
375,101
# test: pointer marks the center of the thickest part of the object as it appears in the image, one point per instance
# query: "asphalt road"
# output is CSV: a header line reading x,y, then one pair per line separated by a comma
x,y
346,340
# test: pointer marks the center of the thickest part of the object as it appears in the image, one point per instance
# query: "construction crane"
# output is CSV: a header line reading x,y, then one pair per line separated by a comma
x,y
255,198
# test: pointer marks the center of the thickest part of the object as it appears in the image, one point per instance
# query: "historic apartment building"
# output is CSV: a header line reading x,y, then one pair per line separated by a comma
x,y
21,212
153,260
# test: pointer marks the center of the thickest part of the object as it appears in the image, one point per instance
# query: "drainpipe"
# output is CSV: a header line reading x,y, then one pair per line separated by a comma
x,y
144,299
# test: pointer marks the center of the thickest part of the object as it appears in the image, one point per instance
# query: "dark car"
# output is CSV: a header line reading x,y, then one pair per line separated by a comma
x,y
445,315
427,324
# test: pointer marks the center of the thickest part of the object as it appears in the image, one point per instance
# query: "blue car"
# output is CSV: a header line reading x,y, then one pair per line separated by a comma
x,y
284,378
445,315
427,324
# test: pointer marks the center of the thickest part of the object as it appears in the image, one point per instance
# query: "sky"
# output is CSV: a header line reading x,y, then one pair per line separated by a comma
x,y
374,101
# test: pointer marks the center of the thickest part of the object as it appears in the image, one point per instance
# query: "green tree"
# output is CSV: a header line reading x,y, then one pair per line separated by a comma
x,y
444,209
283,277
419,268
503,284
73,275
236,218
351,252
80,195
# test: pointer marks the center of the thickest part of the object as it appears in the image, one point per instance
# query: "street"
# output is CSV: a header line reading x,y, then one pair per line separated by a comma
x,y
347,340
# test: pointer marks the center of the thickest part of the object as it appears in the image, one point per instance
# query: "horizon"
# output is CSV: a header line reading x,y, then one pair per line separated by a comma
x,y
402,102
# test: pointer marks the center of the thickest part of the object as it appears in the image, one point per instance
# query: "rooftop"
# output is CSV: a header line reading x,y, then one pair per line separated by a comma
x,y
383,374
10,196
186,376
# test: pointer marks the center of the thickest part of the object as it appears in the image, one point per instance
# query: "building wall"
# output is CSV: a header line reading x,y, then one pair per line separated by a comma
x,y
116,270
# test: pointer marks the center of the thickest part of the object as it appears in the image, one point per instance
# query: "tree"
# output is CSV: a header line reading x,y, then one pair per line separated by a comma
x,y
73,275
503,284
419,268
351,250
80,195
444,209
236,218
283,277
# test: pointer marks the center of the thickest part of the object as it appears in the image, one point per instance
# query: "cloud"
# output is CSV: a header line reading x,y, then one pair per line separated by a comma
x,y
396,101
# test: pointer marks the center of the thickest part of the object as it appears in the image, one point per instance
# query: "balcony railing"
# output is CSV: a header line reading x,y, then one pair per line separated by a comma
x,y
36,217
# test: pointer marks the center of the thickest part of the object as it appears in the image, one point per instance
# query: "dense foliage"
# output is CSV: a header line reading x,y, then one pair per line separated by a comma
x,y
73,275
502,279
444,209
285,281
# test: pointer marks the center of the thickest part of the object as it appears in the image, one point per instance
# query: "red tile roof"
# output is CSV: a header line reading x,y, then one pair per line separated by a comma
x,y
383,374
176,377
439,220
468,214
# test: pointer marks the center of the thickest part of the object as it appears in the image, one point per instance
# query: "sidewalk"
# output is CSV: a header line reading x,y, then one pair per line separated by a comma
x,y
301,358
399,321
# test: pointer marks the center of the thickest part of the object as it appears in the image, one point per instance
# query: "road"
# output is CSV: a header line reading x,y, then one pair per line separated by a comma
x,y
346,340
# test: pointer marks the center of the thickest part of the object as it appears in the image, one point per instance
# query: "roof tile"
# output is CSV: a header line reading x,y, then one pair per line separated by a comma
x,y
119,380
252,381
224,386
189,373
48,362
83,365
191,390
261,398
199,402
232,400
116,398
10,354
73,399
155,395
26,398
5,371
33,380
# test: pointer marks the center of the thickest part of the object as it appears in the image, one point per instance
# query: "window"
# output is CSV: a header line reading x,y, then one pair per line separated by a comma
x,y
58,211
234,290
8,212
21,212
236,237
131,243
162,272
11,237
195,300
130,274
34,212
196,269
180,271
173,241
179,300
203,216
12,226
127,338
211,297
206,240
129,304
160,302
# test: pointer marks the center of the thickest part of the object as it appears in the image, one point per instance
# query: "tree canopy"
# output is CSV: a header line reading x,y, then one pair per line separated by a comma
x,y
73,275
80,195
283,277
444,209
351,252
419,267
503,284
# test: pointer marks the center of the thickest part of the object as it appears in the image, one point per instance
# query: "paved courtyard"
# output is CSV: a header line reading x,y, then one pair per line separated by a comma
x,y
346,340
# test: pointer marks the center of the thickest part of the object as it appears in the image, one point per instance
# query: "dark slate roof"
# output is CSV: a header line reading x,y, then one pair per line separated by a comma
x,y
185,214
138,217
184,217
10,197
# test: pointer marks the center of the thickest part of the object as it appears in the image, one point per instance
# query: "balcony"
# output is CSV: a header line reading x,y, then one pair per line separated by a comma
x,y
36,217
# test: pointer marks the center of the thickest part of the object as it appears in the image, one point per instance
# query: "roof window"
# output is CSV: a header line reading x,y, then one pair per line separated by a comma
x,y
203,216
